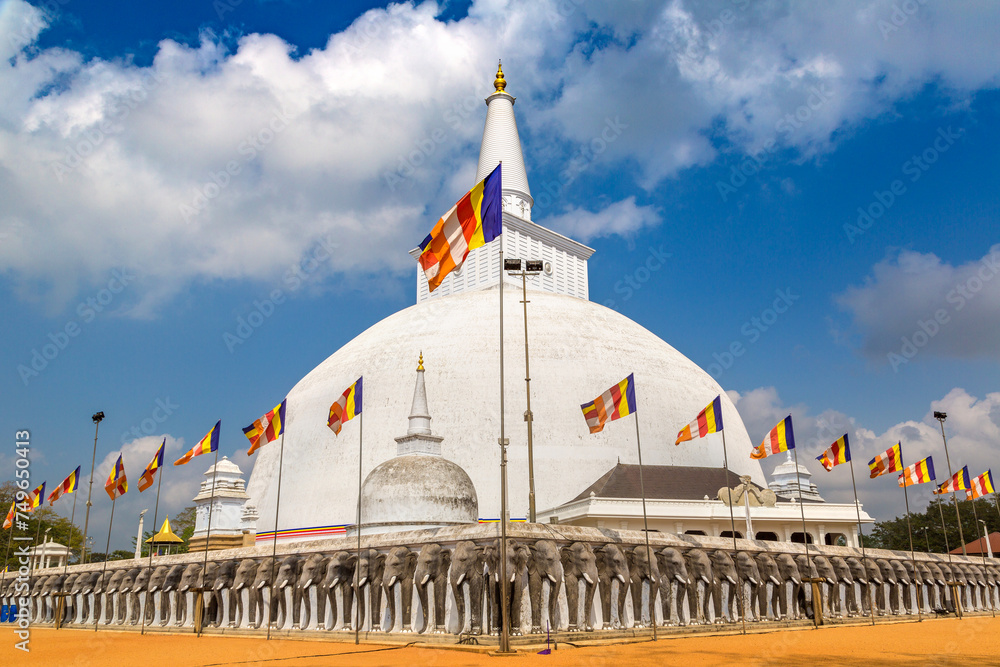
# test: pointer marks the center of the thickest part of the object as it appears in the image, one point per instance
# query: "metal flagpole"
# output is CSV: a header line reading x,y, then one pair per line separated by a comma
x,y
645,530
61,604
805,532
274,543
357,565
909,527
104,572
861,539
947,547
208,534
940,416
504,612
732,523
152,543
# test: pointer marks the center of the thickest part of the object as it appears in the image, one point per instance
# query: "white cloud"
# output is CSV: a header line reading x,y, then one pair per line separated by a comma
x,y
914,306
359,140
972,427
622,218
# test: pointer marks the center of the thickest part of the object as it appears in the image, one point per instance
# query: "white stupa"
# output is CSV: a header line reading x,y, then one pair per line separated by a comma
x,y
578,350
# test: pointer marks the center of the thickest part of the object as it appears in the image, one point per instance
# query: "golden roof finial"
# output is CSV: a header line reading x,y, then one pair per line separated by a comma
x,y
499,83
420,364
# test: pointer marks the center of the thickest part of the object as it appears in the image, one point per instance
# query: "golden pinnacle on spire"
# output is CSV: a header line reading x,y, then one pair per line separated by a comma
x,y
499,83
420,364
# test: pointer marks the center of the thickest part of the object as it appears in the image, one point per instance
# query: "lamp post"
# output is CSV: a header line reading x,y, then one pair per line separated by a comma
x,y
41,558
941,416
97,417
927,539
138,538
532,268
986,537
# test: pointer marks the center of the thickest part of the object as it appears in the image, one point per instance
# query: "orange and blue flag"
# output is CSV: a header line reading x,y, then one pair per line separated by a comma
x,y
920,472
981,485
149,474
34,501
888,461
780,439
959,482
347,407
839,452
471,223
268,428
708,421
9,521
117,484
68,486
208,444
617,402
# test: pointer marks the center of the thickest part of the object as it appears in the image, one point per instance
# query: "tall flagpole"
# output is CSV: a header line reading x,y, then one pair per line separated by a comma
x,y
861,538
504,612
152,543
208,533
274,542
104,572
940,416
61,604
357,565
805,532
645,530
909,527
947,547
732,524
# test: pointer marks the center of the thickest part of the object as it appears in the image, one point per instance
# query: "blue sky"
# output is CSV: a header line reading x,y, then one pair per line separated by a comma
x,y
746,139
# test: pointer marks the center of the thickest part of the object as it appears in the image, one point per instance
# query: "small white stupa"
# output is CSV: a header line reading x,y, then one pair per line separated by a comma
x,y
227,503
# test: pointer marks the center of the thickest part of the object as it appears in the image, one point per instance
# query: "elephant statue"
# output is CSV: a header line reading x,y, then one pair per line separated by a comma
x,y
400,565
190,578
137,596
949,577
433,562
904,583
643,567
545,565
124,616
243,581
69,597
263,579
97,595
860,575
35,592
791,583
52,586
845,583
113,597
517,558
673,572
612,565
579,563
804,598
724,571
310,576
924,580
211,603
769,578
370,569
876,582
748,574
221,583
467,565
171,594
824,570
699,567
888,577
81,590
339,575
284,582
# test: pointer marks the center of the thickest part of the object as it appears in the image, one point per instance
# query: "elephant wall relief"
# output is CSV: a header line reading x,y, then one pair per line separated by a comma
x,y
433,562
339,576
643,569
579,565
467,574
612,567
545,567
370,566
400,564
700,577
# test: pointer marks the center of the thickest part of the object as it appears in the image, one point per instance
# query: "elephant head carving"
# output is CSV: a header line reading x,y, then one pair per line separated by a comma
x,y
579,564
545,564
400,565
612,565
433,562
467,567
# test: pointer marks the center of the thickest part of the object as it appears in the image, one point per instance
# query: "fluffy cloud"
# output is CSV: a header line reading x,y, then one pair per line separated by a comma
x,y
621,218
915,305
972,427
223,165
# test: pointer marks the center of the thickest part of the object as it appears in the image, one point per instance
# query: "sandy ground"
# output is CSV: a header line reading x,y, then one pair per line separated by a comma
x,y
972,641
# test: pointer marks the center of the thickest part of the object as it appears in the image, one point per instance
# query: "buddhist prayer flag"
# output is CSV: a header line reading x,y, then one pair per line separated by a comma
x,y
780,439
345,408
34,500
839,452
959,481
266,429
117,484
471,223
149,474
708,421
918,473
9,521
981,485
68,486
619,401
209,443
887,461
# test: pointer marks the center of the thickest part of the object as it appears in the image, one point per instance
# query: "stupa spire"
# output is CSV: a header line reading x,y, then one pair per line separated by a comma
x,y
418,438
502,145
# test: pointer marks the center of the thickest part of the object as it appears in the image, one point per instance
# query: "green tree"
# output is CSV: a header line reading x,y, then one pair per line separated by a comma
x,y
926,526
183,527
42,519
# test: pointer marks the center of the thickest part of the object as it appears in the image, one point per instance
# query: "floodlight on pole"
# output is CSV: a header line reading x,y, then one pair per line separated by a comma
x,y
941,416
97,417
